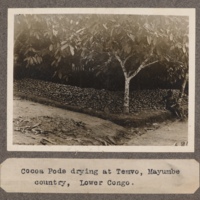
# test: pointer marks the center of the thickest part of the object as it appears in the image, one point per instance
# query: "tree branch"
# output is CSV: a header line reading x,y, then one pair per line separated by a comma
x,y
144,62
127,59
121,64
136,72
143,66
119,59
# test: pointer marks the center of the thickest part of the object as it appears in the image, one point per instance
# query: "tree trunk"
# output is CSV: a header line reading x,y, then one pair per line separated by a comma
x,y
126,95
128,76
183,87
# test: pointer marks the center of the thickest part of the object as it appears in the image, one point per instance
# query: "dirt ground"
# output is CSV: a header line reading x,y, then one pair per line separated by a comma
x,y
37,124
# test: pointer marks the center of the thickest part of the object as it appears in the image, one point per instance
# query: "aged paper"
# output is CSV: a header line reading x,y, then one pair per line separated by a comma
x,y
100,176
108,178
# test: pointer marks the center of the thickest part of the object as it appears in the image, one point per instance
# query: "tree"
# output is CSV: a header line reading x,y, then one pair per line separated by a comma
x,y
134,41
29,39
138,42
178,56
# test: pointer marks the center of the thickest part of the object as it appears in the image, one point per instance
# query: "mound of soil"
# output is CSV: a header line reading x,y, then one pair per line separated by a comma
x,y
100,100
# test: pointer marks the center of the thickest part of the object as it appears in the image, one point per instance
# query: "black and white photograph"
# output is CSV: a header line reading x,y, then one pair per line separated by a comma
x,y
116,80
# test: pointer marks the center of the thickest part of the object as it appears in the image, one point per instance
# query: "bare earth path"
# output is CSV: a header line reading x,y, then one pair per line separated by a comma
x,y
37,124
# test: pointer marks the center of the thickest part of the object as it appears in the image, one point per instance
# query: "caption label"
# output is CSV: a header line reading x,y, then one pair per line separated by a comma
x,y
100,176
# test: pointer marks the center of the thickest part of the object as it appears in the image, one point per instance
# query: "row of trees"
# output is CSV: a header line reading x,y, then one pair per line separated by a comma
x,y
92,43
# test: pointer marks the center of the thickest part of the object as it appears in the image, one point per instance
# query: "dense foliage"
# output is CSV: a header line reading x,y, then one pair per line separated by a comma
x,y
103,49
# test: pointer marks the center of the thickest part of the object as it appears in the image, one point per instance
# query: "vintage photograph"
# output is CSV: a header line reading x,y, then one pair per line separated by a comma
x,y
118,80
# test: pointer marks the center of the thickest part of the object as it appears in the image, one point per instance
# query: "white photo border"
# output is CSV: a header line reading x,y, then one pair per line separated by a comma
x,y
191,12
